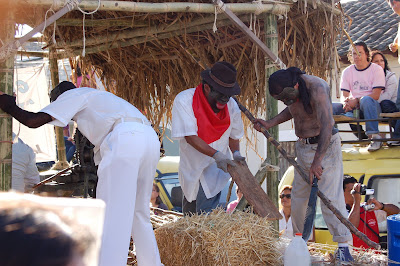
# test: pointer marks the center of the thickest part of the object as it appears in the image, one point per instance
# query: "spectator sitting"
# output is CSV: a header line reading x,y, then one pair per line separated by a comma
x,y
361,84
232,205
285,224
155,199
368,221
24,171
31,234
70,146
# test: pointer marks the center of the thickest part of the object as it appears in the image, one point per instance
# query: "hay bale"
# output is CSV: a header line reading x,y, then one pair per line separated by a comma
x,y
219,239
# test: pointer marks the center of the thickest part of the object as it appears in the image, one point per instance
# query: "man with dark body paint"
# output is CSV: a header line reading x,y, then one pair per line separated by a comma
x,y
318,148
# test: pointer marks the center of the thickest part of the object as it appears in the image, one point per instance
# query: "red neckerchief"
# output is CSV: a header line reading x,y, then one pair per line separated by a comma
x,y
210,126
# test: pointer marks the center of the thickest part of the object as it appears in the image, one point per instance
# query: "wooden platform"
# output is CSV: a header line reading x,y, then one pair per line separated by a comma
x,y
396,114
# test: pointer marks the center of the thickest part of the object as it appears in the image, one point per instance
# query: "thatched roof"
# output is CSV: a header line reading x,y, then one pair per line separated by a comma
x,y
148,58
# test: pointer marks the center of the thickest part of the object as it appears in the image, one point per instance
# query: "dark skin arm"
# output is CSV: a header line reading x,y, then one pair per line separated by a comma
x,y
390,209
29,119
283,116
354,215
200,145
324,115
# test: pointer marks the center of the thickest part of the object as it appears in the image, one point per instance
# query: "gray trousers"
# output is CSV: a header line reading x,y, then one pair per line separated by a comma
x,y
331,184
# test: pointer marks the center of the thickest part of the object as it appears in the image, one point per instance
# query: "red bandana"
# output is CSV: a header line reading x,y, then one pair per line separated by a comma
x,y
211,126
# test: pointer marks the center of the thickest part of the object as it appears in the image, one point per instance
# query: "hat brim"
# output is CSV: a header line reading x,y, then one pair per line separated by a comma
x,y
229,91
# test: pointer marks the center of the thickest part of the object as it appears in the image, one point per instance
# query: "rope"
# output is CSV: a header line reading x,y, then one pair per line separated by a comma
x,y
83,22
218,9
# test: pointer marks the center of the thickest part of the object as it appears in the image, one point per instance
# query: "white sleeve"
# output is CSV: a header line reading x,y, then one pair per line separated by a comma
x,y
65,107
390,91
184,122
237,122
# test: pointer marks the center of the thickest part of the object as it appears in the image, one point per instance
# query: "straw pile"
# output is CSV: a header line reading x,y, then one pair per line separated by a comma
x,y
219,239
323,254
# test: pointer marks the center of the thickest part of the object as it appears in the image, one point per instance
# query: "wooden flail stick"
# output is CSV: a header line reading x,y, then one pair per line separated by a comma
x,y
322,196
47,180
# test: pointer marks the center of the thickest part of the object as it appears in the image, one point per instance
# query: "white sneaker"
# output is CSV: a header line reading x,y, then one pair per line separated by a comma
x,y
393,143
375,145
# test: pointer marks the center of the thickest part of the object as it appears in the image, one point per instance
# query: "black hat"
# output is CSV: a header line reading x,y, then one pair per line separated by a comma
x,y
60,89
222,78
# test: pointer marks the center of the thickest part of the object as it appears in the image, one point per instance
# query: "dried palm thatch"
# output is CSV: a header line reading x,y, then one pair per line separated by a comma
x,y
219,239
148,58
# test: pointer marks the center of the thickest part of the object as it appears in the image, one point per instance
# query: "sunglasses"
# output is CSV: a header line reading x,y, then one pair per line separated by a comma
x,y
285,195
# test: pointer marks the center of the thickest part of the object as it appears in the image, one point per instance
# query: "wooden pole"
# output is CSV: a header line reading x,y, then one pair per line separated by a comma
x,y
143,39
61,153
275,7
9,47
271,41
7,32
305,177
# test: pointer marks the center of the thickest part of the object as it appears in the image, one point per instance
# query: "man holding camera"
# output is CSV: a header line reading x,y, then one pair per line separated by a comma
x,y
367,216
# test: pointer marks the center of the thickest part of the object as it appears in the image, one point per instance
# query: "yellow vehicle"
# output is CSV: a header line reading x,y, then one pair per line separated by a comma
x,y
379,170
170,189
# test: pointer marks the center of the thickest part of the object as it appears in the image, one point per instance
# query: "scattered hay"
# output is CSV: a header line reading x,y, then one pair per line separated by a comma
x,y
323,254
163,217
219,239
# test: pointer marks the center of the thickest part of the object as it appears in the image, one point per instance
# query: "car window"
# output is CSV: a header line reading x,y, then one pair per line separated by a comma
x,y
386,188
169,181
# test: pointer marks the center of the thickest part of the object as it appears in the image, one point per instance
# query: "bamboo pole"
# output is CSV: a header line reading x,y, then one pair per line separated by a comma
x,y
278,8
271,38
61,153
143,39
302,173
76,22
10,47
149,31
7,32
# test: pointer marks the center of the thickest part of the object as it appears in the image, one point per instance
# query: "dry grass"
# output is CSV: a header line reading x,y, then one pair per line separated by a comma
x,y
148,64
219,239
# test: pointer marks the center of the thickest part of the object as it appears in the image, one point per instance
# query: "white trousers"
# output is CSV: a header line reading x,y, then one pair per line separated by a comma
x,y
331,184
126,171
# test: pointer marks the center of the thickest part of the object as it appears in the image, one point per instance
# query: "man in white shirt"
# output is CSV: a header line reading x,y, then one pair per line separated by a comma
x,y
24,171
207,122
126,151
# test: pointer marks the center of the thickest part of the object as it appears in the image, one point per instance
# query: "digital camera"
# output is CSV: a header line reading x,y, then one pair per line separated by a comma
x,y
368,207
366,191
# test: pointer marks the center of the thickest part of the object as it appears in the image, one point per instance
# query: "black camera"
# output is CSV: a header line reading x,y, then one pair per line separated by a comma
x,y
366,191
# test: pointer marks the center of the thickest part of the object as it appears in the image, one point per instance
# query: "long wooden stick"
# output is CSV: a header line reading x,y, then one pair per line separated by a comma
x,y
275,59
322,196
47,180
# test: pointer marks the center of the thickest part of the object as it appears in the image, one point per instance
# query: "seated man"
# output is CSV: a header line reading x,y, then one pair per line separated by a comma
x,y
366,221
362,84
24,171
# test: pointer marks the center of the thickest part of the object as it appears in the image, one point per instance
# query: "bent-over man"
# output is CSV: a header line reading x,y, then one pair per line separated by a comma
x,y
126,150
207,123
318,148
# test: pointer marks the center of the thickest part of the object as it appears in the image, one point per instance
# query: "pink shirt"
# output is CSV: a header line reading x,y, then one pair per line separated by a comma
x,y
361,82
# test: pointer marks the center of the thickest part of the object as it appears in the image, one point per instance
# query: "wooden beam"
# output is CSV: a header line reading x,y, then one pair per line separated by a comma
x,y
267,52
76,22
7,49
278,8
143,39
253,193
61,152
7,32
129,34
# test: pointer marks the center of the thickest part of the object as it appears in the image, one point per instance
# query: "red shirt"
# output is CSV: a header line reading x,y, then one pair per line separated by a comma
x,y
369,218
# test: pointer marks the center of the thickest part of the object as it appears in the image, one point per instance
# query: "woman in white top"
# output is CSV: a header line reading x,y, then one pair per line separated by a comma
x,y
388,96
285,224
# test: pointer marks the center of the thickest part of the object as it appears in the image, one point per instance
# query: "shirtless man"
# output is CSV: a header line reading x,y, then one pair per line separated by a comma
x,y
318,148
